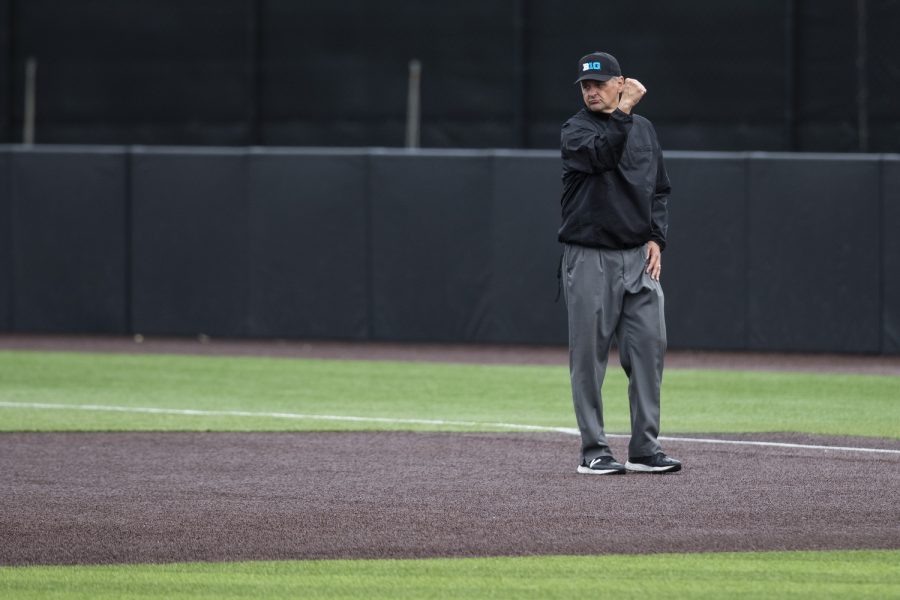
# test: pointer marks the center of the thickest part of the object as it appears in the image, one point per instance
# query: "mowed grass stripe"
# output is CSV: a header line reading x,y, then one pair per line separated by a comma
x,y
839,574
693,400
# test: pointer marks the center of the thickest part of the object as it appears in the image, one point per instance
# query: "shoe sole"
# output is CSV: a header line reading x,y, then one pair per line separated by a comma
x,y
639,468
590,471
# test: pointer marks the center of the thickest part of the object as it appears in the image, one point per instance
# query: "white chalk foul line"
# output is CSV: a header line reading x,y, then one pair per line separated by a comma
x,y
438,422
280,415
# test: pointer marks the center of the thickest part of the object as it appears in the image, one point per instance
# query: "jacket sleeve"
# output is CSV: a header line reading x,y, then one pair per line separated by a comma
x,y
659,216
589,151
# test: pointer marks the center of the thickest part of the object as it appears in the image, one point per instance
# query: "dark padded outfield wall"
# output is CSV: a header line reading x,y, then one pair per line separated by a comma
x,y
69,245
308,244
6,290
705,261
431,246
190,241
524,251
890,268
814,260
769,252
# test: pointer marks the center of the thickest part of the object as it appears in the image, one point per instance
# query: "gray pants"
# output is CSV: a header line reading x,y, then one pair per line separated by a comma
x,y
608,293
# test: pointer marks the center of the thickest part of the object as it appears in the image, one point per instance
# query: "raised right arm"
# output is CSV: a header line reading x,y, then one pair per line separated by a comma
x,y
589,151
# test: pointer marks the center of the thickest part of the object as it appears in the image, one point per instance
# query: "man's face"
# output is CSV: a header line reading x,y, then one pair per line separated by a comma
x,y
602,96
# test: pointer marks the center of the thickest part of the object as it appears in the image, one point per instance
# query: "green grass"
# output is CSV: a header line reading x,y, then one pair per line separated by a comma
x,y
852,574
693,400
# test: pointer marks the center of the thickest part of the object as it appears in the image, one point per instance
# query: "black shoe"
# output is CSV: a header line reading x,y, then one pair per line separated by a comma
x,y
658,463
605,465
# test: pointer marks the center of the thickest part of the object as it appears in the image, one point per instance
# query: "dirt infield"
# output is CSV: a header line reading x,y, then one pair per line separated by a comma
x,y
157,497
76,498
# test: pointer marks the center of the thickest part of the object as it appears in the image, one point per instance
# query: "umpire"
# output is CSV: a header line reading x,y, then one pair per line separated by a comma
x,y
614,221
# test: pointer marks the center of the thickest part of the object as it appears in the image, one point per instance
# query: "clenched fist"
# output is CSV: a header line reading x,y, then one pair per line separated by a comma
x,y
632,92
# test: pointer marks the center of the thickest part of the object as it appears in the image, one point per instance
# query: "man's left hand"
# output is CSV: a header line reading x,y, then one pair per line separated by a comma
x,y
654,260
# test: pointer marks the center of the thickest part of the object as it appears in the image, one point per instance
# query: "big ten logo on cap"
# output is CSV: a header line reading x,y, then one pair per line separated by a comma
x,y
591,66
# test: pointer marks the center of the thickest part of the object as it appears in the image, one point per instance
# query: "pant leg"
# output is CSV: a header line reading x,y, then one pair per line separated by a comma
x,y
642,347
593,293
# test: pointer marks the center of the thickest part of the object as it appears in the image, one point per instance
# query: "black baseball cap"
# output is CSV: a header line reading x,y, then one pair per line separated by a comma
x,y
599,66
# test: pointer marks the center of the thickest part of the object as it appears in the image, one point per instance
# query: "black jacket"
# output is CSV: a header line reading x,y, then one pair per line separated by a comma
x,y
615,185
